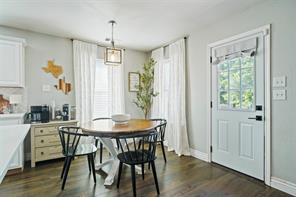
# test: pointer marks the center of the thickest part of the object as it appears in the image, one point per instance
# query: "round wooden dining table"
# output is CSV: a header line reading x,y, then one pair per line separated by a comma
x,y
106,130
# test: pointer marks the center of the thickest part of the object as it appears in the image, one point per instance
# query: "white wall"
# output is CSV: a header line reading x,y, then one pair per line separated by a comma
x,y
281,15
133,62
41,48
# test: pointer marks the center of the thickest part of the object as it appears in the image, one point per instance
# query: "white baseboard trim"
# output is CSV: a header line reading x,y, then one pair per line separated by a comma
x,y
165,143
283,185
199,155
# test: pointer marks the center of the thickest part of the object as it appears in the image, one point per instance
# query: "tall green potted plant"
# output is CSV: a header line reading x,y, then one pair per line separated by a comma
x,y
146,92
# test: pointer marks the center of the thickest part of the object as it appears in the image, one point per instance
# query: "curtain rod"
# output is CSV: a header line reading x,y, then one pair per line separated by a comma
x,y
104,46
167,44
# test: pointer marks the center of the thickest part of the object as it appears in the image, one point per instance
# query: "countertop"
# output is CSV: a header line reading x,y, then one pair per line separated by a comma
x,y
9,143
54,122
16,115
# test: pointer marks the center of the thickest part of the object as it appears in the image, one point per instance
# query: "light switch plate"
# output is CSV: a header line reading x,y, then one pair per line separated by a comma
x,y
46,88
279,82
279,95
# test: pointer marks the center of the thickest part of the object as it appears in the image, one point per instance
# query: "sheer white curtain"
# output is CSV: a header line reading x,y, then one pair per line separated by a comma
x,y
84,59
177,127
115,90
176,133
158,105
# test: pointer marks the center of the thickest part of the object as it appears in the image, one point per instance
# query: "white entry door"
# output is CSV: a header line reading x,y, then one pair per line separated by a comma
x,y
238,108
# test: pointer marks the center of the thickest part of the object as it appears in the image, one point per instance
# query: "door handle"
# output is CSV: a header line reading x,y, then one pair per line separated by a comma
x,y
257,118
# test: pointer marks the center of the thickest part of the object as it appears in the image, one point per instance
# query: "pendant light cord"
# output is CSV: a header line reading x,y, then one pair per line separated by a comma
x,y
112,39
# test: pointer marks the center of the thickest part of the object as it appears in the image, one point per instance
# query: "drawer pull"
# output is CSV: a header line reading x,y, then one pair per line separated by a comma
x,y
42,153
41,131
42,141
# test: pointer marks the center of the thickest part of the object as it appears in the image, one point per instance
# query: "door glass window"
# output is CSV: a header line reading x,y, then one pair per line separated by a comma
x,y
236,83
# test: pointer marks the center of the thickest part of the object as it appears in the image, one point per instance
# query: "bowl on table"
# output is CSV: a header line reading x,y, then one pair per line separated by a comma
x,y
121,118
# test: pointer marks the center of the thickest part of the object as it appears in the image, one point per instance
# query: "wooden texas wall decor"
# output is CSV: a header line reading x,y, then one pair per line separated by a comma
x,y
63,86
56,71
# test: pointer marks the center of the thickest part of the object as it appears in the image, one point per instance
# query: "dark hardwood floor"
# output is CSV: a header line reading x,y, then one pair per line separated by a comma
x,y
181,176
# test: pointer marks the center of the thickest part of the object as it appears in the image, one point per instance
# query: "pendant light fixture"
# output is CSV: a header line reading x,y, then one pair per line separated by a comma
x,y
113,56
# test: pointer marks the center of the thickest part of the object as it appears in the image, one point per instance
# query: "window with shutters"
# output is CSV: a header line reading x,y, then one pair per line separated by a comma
x,y
101,91
109,88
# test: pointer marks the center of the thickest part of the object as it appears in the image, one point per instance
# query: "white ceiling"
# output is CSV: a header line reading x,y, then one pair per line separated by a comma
x,y
142,24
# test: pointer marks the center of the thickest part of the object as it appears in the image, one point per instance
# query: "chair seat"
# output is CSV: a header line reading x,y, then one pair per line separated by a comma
x,y
136,157
82,149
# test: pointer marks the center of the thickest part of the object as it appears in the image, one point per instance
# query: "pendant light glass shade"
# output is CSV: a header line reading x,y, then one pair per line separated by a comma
x,y
113,56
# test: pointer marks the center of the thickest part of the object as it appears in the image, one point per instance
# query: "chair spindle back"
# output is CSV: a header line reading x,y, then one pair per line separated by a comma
x,y
70,137
132,151
160,128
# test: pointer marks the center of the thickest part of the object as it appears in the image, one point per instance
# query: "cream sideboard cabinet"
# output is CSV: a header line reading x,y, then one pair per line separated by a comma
x,y
45,141
12,62
17,162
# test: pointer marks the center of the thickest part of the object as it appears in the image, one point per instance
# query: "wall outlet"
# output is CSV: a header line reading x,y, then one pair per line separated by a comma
x,y
279,82
279,95
46,88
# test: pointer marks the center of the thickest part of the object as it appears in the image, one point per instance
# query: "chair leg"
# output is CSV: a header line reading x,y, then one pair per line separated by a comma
x,y
101,152
96,144
89,163
66,172
134,179
117,145
163,152
119,174
149,150
155,176
91,157
65,164
143,175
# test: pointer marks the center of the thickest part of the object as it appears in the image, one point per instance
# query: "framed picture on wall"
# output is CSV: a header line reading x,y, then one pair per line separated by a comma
x,y
133,81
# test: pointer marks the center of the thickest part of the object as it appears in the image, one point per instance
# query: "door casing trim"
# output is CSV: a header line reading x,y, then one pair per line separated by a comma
x,y
267,94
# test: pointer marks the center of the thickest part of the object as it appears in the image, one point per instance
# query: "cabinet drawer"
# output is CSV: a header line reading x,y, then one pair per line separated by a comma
x,y
46,153
47,140
46,130
49,130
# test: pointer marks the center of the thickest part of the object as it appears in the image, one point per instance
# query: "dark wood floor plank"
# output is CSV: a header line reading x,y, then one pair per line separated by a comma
x,y
180,176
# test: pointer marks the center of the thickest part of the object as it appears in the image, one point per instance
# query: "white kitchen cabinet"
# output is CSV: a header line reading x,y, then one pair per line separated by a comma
x,y
12,62
17,162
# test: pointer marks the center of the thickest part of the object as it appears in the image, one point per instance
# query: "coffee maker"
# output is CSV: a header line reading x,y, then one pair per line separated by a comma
x,y
39,114
66,112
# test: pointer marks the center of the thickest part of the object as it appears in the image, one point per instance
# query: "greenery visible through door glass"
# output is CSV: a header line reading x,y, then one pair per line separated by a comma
x,y
223,99
223,80
234,79
223,66
248,62
247,99
247,77
234,63
234,99
236,83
